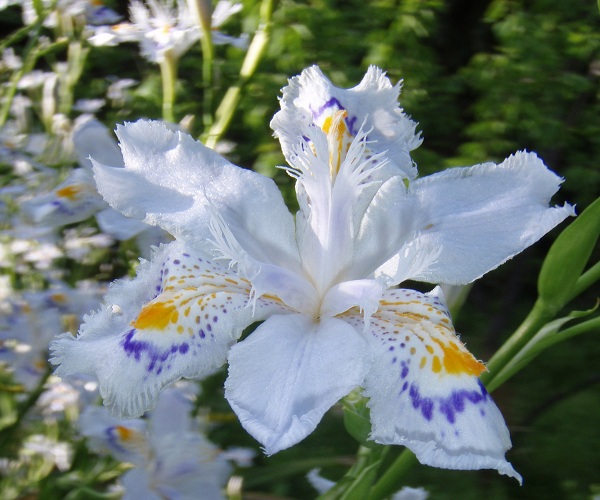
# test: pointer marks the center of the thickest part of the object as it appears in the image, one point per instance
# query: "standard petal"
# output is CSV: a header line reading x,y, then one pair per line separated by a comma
x,y
312,99
463,222
424,389
170,180
289,372
176,319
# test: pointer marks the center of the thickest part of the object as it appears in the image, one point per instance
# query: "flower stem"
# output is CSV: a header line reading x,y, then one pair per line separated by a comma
x,y
536,319
357,481
388,483
202,11
8,432
230,100
168,73
586,280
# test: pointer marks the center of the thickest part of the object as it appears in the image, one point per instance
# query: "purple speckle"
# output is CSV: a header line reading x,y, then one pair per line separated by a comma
x,y
156,357
404,372
418,402
456,402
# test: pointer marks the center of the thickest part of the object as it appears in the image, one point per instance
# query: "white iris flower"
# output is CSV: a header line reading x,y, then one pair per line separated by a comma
x,y
323,283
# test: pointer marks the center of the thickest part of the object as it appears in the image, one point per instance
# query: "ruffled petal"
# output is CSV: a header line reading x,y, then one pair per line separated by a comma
x,y
424,389
289,372
311,99
176,319
174,182
463,222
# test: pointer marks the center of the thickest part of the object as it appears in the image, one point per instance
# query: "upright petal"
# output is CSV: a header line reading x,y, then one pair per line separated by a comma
x,y
332,177
289,372
424,389
311,99
174,182
463,222
176,319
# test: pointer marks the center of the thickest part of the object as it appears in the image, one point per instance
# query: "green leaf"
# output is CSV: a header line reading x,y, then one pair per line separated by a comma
x,y
567,259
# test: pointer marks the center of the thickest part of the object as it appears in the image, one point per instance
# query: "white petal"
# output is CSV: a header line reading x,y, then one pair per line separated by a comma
x,y
311,98
362,293
169,180
92,138
176,319
408,493
289,372
118,226
474,218
318,482
424,389
139,483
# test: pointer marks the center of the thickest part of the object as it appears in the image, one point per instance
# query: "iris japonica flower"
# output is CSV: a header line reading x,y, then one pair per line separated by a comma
x,y
322,285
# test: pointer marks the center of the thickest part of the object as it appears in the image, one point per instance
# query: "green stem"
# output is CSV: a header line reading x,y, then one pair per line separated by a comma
x,y
207,81
8,432
202,11
76,58
536,319
28,64
357,481
586,280
583,327
389,482
228,105
168,73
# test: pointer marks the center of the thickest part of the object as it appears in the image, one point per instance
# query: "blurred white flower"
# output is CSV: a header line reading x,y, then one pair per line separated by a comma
x,y
89,105
165,26
172,459
56,452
